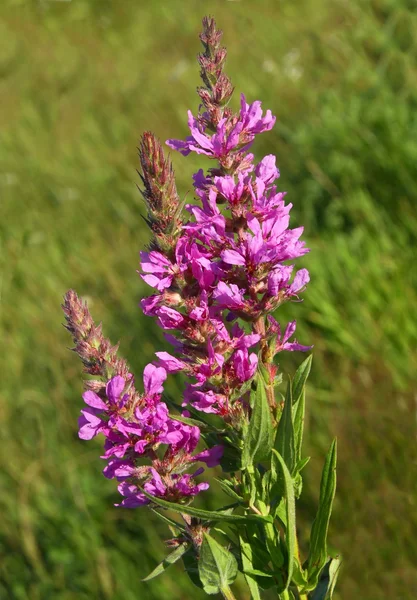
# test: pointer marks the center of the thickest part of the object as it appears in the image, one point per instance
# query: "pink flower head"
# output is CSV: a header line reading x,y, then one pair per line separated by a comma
x,y
251,117
282,342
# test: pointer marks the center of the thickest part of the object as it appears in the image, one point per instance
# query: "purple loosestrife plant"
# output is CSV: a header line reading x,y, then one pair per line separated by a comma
x,y
220,267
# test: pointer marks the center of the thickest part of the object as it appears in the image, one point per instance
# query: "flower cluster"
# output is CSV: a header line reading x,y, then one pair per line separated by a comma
x,y
218,277
136,426
230,269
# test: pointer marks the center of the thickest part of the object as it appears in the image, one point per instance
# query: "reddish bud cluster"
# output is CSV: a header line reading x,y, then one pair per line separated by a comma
x,y
160,194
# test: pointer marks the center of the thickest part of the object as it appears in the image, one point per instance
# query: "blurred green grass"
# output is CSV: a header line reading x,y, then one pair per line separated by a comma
x,y
79,82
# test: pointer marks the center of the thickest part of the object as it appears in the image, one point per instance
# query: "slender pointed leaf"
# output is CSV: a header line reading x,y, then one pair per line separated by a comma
x,y
327,581
298,416
259,437
168,561
247,564
285,440
169,521
207,515
190,562
217,566
300,378
224,484
303,462
290,532
318,538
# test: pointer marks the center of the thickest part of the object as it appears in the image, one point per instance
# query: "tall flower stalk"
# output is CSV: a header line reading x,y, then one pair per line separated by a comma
x,y
220,267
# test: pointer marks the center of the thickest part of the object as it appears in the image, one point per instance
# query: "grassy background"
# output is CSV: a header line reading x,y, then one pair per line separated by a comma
x,y
79,82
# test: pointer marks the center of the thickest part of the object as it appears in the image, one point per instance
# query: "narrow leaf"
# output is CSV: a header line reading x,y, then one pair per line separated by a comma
x,y
208,515
290,532
190,562
300,378
327,581
318,545
285,441
299,415
228,489
168,561
217,566
257,573
169,521
247,564
259,437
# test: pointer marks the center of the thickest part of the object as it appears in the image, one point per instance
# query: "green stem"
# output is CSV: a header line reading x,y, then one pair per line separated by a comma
x,y
227,593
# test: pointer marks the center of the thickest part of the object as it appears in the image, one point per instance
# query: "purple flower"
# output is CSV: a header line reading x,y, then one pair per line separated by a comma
x,y
155,486
169,318
244,364
302,277
251,117
211,456
133,497
153,378
282,342
90,424
266,171
278,279
185,487
119,468
217,145
170,363
160,269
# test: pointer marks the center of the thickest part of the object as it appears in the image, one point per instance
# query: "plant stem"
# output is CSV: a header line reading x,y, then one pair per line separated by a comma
x,y
227,593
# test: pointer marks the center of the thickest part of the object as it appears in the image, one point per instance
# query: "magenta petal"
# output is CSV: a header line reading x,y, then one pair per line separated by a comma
x,y
211,456
180,146
153,378
231,257
296,347
289,331
114,388
169,362
302,277
93,400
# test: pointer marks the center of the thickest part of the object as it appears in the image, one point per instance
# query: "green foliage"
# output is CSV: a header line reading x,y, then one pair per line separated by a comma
x,y
259,435
168,561
79,81
290,531
248,567
318,539
285,437
206,515
327,581
217,566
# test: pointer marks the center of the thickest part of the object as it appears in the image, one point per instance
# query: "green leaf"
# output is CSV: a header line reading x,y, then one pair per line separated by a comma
x,y
327,581
208,515
168,561
300,378
298,416
247,564
303,462
299,576
257,573
170,522
259,436
318,545
290,532
217,566
285,440
227,487
190,562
